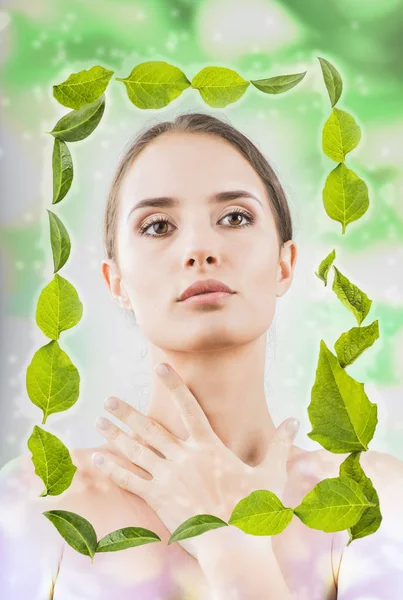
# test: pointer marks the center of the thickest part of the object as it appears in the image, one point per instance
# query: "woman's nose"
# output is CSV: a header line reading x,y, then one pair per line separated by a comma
x,y
200,258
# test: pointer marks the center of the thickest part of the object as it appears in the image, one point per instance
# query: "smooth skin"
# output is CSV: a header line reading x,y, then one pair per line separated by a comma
x,y
218,350
197,476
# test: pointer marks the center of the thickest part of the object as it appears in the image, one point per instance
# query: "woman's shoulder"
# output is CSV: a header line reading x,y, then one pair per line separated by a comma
x,y
30,545
316,464
32,549
327,465
18,479
21,489
91,494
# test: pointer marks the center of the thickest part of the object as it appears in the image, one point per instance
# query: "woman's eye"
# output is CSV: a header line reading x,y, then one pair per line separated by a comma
x,y
240,215
143,229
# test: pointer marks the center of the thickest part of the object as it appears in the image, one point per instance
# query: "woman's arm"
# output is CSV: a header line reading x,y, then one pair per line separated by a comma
x,y
372,566
240,566
30,547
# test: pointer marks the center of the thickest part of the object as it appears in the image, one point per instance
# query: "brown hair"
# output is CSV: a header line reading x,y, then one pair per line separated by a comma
x,y
199,123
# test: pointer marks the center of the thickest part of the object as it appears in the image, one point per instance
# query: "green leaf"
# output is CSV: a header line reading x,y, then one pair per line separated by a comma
x,y
219,86
60,241
154,84
261,513
83,87
371,518
332,505
196,526
325,266
340,135
345,196
278,84
79,124
52,461
352,343
126,538
53,382
59,307
332,80
62,166
77,531
351,296
342,417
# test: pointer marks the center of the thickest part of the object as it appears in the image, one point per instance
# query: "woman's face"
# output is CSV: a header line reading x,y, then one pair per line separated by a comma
x,y
201,240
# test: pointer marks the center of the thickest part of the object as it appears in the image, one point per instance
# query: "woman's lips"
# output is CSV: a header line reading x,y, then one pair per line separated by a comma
x,y
207,298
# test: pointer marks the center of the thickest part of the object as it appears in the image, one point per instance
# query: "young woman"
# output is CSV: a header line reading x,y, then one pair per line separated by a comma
x,y
193,200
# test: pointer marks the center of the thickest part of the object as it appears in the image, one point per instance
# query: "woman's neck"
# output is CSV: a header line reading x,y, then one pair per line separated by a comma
x,y
229,386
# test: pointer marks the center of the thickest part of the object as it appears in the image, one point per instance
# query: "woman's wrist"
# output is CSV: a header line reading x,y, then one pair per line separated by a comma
x,y
241,566
216,544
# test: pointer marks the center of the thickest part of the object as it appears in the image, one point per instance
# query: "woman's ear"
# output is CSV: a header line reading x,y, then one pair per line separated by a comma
x,y
115,284
286,267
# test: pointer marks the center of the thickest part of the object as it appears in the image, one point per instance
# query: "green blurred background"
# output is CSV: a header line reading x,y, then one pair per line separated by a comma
x,y
42,42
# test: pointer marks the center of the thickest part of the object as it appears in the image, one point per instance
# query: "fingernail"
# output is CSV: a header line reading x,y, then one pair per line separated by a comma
x,y
98,459
111,403
292,427
162,370
102,423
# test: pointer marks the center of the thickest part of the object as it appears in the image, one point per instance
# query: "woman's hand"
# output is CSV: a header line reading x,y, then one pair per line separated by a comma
x,y
199,475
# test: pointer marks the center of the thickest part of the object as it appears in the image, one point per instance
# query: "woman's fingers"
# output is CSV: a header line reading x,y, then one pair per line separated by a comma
x,y
124,478
279,449
136,452
281,443
149,430
136,436
192,414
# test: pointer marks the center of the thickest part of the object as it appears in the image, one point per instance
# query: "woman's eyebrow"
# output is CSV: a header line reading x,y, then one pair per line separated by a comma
x,y
168,201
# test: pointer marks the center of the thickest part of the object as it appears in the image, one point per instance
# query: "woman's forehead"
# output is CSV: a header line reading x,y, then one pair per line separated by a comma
x,y
184,164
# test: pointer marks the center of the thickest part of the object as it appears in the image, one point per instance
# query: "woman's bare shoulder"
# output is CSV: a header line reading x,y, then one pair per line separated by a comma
x,y
20,483
308,462
18,476
24,530
319,463
373,464
372,461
